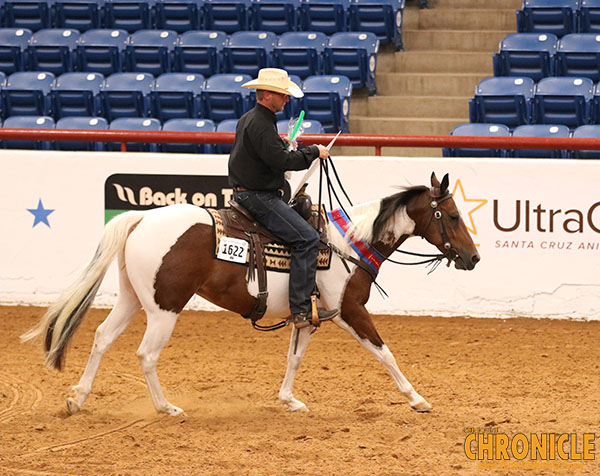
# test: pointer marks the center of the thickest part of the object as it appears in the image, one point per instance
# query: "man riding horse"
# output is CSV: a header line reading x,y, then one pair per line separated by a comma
x,y
257,165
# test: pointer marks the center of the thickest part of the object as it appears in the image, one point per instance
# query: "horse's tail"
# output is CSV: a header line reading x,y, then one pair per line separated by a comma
x,y
62,318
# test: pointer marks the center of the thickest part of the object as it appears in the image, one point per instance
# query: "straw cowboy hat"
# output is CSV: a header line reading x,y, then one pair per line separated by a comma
x,y
276,80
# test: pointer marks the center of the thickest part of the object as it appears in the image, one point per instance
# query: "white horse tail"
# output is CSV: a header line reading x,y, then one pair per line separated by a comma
x,y
63,318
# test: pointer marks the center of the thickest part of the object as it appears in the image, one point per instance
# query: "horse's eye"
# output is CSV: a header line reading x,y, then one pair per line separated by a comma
x,y
454,217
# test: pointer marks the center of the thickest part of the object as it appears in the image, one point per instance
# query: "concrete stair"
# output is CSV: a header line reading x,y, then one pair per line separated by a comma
x,y
424,90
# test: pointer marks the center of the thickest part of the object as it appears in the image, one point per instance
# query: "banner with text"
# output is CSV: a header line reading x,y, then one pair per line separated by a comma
x,y
536,224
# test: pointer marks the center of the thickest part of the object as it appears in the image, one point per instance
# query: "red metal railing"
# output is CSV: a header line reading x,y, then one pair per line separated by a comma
x,y
368,140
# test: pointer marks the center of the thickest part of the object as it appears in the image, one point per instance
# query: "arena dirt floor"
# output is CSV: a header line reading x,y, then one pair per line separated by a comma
x,y
513,376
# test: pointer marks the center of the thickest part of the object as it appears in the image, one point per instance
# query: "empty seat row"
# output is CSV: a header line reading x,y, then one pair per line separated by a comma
x,y
537,55
381,17
530,130
559,17
514,101
129,124
161,51
171,95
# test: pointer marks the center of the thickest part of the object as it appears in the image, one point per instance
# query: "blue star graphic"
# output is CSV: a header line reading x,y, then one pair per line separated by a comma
x,y
41,214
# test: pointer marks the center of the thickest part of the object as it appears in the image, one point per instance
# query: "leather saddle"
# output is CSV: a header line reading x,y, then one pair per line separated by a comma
x,y
239,223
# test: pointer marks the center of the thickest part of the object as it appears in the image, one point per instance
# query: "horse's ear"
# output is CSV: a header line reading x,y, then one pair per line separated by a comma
x,y
445,183
435,183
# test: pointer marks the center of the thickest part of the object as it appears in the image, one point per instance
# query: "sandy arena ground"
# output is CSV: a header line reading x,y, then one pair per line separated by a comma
x,y
510,376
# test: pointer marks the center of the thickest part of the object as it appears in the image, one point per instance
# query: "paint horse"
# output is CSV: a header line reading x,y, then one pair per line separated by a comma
x,y
165,256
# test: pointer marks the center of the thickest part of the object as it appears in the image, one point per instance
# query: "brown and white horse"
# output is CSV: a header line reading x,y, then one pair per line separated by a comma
x,y
165,256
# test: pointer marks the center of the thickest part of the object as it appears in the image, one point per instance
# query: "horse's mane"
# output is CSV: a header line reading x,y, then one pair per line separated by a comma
x,y
371,219
390,205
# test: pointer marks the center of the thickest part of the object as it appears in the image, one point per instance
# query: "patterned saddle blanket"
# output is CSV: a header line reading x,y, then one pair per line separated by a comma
x,y
236,222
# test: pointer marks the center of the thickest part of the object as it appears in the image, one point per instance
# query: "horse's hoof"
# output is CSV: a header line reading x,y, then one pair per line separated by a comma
x,y
422,407
297,407
72,406
172,410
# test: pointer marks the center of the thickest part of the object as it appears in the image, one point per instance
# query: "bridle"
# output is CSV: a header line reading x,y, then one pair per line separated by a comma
x,y
436,199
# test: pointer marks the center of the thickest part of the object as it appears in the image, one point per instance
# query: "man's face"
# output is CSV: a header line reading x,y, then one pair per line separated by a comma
x,y
276,101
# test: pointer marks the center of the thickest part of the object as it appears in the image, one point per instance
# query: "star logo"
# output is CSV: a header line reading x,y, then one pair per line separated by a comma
x,y
40,214
470,204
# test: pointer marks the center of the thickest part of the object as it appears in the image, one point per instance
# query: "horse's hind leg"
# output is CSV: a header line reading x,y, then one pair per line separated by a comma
x,y
159,329
106,333
298,344
359,324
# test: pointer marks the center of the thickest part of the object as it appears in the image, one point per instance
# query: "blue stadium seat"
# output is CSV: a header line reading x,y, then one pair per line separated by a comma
x,y
81,15
595,106
227,125
227,15
76,94
53,50
127,95
540,130
327,100
189,125
589,16
102,51
179,15
477,130
526,54
562,100
150,51
28,122
327,16
129,15
31,14
27,93
13,47
384,18
579,55
278,16
502,100
308,127
134,124
199,52
81,123
353,55
548,16
177,95
223,97
248,51
300,53
588,131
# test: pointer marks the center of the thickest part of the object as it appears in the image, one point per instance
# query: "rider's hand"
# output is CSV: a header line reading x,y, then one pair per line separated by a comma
x,y
323,152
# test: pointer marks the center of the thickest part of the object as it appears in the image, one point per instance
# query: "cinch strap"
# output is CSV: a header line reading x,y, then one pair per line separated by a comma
x,y
366,253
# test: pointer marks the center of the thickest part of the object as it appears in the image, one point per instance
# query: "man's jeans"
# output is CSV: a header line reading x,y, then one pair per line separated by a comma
x,y
284,222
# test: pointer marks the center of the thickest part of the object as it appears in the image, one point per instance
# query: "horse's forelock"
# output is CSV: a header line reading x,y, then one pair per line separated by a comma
x,y
391,204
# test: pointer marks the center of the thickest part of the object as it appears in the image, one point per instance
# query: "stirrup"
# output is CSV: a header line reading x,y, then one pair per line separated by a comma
x,y
304,319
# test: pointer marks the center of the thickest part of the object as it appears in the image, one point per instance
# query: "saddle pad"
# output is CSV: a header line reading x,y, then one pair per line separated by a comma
x,y
277,256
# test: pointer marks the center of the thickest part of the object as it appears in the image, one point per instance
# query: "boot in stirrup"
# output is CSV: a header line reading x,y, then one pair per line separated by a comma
x,y
304,319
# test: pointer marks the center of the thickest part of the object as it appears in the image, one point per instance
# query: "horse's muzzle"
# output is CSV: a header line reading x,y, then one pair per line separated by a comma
x,y
466,264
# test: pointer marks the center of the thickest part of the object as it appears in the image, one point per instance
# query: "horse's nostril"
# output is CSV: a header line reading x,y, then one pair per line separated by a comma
x,y
475,259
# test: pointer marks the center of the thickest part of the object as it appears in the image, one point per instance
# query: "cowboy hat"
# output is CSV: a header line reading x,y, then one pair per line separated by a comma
x,y
275,80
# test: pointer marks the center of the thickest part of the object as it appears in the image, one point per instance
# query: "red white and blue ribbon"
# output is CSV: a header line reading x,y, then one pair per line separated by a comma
x,y
366,253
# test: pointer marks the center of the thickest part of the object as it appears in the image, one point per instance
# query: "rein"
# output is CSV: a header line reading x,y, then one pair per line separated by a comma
x,y
434,260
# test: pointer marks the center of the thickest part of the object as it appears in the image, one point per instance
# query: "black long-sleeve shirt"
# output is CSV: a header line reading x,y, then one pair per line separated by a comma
x,y
258,158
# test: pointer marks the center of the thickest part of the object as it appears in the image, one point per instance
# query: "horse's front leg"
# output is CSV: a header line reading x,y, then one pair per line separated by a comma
x,y
298,344
357,321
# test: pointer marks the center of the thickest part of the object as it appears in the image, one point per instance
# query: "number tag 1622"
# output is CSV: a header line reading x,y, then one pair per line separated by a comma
x,y
233,249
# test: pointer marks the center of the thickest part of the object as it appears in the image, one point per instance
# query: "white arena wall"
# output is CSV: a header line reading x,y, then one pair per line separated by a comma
x,y
536,223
